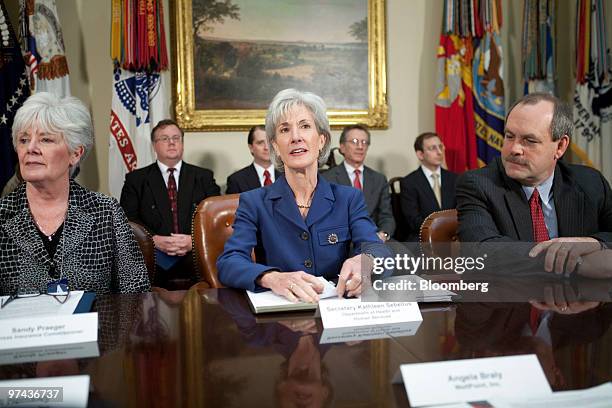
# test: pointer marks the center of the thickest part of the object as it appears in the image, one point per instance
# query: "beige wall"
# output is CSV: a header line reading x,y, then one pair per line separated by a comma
x,y
413,28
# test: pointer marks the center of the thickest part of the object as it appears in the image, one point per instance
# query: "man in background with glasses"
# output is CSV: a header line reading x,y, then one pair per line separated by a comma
x,y
354,143
429,188
163,197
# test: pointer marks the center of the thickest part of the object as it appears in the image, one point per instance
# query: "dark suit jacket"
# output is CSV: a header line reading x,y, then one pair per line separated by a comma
x,y
418,199
144,197
245,179
375,191
268,219
493,207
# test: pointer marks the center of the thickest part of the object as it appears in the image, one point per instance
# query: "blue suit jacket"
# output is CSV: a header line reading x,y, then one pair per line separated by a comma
x,y
269,220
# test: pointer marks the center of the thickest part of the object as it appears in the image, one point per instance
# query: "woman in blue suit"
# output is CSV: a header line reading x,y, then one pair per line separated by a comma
x,y
301,226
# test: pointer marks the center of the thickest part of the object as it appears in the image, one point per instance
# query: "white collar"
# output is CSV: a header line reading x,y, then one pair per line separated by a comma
x,y
351,170
428,172
164,169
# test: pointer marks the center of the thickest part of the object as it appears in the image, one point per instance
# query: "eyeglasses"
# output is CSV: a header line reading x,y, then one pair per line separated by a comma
x,y
59,289
168,139
358,142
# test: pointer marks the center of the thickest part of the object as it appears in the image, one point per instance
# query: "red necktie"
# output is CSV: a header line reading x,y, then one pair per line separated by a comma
x,y
267,179
357,182
540,233
173,201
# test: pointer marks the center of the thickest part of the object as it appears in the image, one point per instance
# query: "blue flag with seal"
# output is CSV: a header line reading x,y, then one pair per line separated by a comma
x,y
488,93
14,90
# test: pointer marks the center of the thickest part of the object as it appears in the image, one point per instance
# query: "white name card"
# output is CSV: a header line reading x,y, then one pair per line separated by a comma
x,y
49,353
478,379
48,331
336,313
384,331
68,391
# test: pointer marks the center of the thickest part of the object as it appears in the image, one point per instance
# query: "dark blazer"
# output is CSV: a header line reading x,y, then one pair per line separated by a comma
x,y
493,207
144,197
269,220
375,192
97,251
418,199
245,179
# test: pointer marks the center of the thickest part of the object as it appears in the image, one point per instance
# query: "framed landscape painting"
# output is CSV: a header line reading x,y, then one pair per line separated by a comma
x,y
233,56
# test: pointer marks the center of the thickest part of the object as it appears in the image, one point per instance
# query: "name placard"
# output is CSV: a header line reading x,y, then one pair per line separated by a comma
x,y
383,331
48,331
49,353
336,313
478,379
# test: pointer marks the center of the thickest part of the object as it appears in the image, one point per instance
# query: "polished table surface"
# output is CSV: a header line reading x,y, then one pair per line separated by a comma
x,y
205,348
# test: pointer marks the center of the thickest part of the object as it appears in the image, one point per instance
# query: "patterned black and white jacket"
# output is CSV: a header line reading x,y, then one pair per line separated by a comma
x,y
97,252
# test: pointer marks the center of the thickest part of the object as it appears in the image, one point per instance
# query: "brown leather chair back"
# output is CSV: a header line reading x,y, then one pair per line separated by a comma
x,y
147,247
212,226
438,235
396,207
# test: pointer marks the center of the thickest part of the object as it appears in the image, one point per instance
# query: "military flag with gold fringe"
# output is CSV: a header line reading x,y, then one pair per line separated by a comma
x,y
140,97
469,102
592,141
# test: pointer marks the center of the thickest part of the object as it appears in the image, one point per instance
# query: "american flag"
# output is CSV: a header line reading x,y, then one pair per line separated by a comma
x,y
14,89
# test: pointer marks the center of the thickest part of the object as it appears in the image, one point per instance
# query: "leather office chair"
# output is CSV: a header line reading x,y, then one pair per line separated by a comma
x,y
400,233
147,247
438,234
212,226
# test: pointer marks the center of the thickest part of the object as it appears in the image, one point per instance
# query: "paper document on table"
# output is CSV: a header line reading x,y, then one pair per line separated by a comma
x,y
265,302
42,305
596,397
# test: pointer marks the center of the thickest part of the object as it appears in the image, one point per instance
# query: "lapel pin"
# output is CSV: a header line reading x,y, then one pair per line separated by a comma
x,y
332,238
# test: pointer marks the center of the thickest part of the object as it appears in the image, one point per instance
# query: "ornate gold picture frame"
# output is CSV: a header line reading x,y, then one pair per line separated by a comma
x,y
200,102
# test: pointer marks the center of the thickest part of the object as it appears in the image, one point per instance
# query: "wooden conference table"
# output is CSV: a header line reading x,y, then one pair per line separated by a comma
x,y
206,349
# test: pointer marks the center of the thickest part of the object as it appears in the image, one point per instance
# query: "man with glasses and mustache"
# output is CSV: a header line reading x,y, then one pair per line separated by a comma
x,y
354,143
530,195
163,197
429,188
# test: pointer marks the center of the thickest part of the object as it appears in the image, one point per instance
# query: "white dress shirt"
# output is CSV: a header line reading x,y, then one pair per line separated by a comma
x,y
351,173
260,172
166,175
428,174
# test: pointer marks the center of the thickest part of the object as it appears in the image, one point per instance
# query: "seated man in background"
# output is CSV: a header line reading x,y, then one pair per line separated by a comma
x,y
261,172
530,195
429,188
163,197
354,143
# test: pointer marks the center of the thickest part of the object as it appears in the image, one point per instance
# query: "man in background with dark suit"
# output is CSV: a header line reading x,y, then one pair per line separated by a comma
x,y
530,195
429,188
261,172
163,197
354,143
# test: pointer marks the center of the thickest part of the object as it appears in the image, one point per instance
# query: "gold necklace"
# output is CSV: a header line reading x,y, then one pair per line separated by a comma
x,y
305,205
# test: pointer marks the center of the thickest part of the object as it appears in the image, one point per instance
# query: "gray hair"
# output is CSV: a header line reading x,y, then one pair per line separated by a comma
x,y
288,99
68,117
562,122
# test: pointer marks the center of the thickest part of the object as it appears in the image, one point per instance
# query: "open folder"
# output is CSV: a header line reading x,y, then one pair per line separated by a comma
x,y
267,302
